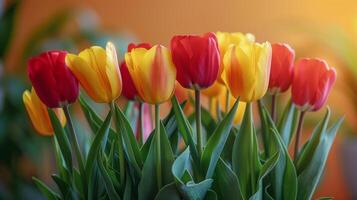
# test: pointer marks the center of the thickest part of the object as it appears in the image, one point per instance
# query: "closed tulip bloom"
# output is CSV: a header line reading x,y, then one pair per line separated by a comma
x,y
282,67
52,79
37,111
153,73
97,70
312,82
225,39
196,59
247,69
129,90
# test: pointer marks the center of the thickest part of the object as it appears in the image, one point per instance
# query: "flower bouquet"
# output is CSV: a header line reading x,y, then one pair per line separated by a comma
x,y
216,152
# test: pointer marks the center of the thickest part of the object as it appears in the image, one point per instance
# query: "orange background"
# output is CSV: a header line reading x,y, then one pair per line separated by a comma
x,y
156,21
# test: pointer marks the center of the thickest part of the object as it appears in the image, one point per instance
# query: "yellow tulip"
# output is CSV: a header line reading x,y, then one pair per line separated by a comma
x,y
221,101
97,70
38,113
153,73
247,69
214,90
225,39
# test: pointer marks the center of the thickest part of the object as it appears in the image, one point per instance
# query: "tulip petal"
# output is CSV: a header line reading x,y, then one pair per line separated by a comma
x,y
112,71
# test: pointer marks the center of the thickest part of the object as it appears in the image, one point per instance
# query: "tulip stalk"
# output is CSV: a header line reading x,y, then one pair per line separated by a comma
x,y
140,128
73,139
227,100
158,152
198,120
120,146
273,107
298,135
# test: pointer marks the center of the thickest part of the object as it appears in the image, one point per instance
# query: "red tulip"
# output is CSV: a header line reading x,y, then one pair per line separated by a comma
x,y
312,82
52,80
196,58
282,67
129,89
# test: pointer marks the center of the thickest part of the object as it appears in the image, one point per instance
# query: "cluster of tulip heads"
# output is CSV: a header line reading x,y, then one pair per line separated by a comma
x,y
247,68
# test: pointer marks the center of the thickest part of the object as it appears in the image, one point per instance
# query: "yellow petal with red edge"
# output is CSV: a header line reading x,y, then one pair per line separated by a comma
x,y
112,71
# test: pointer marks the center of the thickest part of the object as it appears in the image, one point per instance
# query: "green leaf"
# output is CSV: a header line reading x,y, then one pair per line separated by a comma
x,y
228,147
128,189
60,163
216,143
185,130
131,147
63,187
245,159
310,176
226,182
148,187
97,142
211,195
283,178
190,189
109,186
307,152
288,123
62,139
169,191
50,194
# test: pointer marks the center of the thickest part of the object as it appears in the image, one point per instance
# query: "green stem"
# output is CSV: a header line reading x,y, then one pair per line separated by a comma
x,y
158,145
273,107
140,128
210,104
75,146
198,120
298,135
120,145
228,98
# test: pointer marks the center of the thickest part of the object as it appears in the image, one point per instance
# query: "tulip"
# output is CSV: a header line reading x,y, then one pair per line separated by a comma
x,y
312,82
226,39
246,70
153,73
98,72
38,113
129,90
52,80
282,65
196,59
214,90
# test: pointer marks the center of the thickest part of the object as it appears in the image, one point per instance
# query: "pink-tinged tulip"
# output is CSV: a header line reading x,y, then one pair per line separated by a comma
x,y
196,59
129,90
312,82
52,80
282,67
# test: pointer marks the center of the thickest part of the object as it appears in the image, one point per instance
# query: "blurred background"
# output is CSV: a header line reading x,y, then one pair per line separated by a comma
x,y
314,28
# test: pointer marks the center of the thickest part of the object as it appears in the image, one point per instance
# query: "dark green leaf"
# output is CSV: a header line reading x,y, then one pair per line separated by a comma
x,y
216,143
169,191
97,142
109,186
62,139
50,194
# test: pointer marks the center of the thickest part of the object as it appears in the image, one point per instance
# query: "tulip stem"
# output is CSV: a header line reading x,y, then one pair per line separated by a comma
x,y
298,135
198,120
140,128
227,100
273,107
158,145
75,146
73,138
120,145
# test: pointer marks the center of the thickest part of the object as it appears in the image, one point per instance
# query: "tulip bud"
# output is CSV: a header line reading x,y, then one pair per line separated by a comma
x,y
312,82
52,79
247,69
153,73
225,39
129,90
196,59
282,67
38,113
98,72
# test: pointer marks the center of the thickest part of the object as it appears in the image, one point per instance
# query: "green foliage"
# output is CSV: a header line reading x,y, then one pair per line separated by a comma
x,y
233,164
